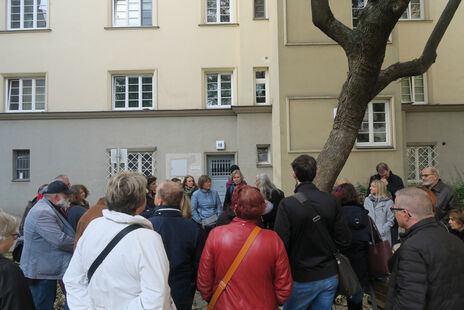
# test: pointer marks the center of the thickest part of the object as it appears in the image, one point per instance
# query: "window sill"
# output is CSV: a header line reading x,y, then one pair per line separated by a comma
x,y
16,111
218,24
374,147
21,180
131,27
225,107
25,30
260,18
263,165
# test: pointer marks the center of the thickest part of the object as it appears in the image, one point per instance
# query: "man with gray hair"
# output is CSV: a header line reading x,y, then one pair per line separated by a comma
x,y
181,239
446,196
427,269
48,244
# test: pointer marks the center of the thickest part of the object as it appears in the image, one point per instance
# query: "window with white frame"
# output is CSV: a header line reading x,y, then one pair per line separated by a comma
x,y
415,10
375,127
261,86
219,90
27,14
25,94
21,165
132,13
132,92
419,158
121,159
219,11
263,154
414,89
356,7
260,9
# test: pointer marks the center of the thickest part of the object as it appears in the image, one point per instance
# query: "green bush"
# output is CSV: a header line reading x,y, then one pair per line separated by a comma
x,y
459,188
362,191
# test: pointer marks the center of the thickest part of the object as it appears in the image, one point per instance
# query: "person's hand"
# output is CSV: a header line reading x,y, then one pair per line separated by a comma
x,y
384,180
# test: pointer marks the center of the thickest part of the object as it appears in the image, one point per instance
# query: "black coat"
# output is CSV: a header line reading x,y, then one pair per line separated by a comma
x,y
309,255
14,290
446,200
269,219
427,270
358,222
182,242
395,183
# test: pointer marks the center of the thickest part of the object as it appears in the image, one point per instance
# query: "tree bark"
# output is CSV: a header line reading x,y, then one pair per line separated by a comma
x,y
365,49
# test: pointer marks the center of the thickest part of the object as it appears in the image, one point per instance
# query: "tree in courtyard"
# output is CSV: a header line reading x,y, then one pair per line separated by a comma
x,y
365,47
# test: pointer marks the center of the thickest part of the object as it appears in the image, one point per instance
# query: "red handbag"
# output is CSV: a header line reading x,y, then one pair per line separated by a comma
x,y
378,254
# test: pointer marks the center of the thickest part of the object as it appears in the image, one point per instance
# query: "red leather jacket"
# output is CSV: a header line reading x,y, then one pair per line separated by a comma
x,y
262,281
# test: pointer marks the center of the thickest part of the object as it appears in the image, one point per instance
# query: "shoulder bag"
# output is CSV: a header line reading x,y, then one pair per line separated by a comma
x,y
378,254
348,282
230,272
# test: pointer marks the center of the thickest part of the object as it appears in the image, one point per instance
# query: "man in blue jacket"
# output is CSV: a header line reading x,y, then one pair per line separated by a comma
x,y
48,244
181,239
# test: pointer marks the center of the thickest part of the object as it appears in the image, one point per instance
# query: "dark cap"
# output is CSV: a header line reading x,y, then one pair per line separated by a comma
x,y
58,187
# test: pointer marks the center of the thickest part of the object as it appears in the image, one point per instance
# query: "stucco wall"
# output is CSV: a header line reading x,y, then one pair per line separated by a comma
x,y
78,147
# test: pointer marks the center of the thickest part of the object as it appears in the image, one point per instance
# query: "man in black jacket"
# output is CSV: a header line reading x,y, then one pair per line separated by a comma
x,y
427,270
446,196
314,268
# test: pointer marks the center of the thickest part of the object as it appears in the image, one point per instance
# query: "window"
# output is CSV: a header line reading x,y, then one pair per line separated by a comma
x,y
133,92
132,13
25,95
356,8
219,90
419,158
415,10
261,86
263,154
27,14
142,162
413,89
260,8
375,127
219,11
21,165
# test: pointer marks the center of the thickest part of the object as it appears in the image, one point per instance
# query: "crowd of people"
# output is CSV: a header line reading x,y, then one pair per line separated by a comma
x,y
152,246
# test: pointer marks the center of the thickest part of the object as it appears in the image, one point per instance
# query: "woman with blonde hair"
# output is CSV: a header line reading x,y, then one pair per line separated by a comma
x,y
378,203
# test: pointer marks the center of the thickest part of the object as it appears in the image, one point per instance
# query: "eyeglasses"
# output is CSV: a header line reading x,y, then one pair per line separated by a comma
x,y
15,236
425,175
400,209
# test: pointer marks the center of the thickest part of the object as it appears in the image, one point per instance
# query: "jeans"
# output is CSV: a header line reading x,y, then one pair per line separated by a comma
x,y
43,293
317,295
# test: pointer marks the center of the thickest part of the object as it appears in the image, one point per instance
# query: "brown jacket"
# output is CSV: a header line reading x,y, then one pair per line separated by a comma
x,y
89,216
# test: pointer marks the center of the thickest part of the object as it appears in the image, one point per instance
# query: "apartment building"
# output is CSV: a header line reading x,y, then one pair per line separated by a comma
x,y
170,88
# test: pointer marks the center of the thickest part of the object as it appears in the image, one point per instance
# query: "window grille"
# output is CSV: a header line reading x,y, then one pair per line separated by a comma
x,y
143,162
220,167
21,165
419,158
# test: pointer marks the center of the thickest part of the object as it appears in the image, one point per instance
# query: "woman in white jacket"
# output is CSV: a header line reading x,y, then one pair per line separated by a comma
x,y
378,203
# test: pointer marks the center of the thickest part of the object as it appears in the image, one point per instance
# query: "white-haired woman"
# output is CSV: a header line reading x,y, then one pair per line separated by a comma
x,y
273,196
14,290
134,275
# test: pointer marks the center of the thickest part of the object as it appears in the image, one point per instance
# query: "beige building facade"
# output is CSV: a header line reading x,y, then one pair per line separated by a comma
x,y
170,88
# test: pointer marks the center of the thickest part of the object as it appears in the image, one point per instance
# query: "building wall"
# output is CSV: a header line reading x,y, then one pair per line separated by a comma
x,y
80,51
78,145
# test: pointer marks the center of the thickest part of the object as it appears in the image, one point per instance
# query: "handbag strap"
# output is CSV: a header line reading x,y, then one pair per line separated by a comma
x,y
230,272
302,199
374,226
109,247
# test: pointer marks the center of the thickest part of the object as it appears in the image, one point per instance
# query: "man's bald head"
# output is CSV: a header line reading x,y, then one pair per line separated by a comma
x,y
416,201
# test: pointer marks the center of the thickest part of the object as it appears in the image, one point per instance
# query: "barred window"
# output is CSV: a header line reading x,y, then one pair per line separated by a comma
x,y
419,158
21,165
143,162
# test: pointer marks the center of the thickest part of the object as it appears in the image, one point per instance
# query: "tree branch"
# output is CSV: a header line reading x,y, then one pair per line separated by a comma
x,y
327,23
429,54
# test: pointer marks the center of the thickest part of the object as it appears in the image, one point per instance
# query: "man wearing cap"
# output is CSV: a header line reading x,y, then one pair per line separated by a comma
x,y
48,244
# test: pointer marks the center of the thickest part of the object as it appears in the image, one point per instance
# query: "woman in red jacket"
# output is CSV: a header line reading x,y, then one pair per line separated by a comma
x,y
263,279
